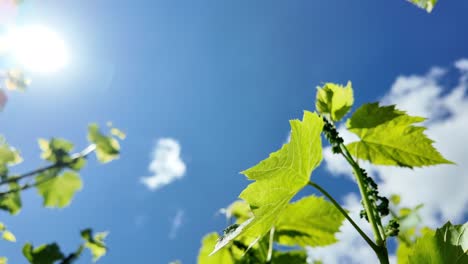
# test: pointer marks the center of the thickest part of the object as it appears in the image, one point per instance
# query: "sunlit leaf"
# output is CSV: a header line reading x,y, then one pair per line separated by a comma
x,y
388,137
58,191
427,5
239,210
311,221
95,243
11,202
16,80
8,157
8,236
449,244
44,254
3,260
223,256
291,257
118,133
279,178
334,100
107,147
55,150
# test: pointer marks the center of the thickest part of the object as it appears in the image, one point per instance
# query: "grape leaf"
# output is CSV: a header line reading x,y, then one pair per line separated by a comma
x,y
107,147
8,157
427,5
58,191
449,244
311,221
238,209
55,150
8,236
44,254
95,243
11,202
388,137
279,178
223,256
291,257
334,100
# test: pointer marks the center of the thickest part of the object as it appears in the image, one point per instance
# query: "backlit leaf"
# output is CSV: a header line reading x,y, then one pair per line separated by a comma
x,y
8,236
223,256
334,100
311,221
279,178
427,5
449,244
44,254
11,202
95,243
388,137
107,147
58,191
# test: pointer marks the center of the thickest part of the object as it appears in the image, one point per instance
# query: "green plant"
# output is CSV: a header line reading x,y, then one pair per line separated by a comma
x,y
266,218
57,182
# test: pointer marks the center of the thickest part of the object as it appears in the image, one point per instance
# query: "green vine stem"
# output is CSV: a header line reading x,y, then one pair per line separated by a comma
x,y
83,154
343,211
375,222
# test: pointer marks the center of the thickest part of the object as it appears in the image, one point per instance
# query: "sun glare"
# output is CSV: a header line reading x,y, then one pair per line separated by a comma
x,y
37,48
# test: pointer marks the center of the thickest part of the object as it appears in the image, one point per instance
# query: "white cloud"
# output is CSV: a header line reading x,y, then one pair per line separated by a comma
x,y
176,223
442,188
166,164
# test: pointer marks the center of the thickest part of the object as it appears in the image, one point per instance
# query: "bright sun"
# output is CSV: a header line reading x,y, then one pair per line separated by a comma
x,y
37,48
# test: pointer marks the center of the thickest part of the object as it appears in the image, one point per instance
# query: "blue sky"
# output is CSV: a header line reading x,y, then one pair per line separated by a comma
x,y
220,77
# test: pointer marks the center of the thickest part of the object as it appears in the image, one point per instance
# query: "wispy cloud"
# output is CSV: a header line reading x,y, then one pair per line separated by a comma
x,y
166,165
176,223
442,189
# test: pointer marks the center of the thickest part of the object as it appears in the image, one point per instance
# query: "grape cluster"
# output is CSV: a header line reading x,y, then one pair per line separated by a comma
x,y
332,136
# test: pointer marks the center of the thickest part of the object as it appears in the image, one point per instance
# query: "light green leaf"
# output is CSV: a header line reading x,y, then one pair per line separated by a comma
x,y
311,221
58,191
402,252
279,178
395,199
449,244
44,254
208,243
8,236
11,202
107,147
388,137
95,244
427,5
334,100
55,150
8,157
118,133
3,260
240,210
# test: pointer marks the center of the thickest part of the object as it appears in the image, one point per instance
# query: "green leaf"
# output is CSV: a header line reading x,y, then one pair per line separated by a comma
x,y
291,257
95,244
334,100
11,202
402,253
107,147
3,260
449,244
395,199
8,157
44,254
388,137
55,150
118,133
279,178
58,191
240,210
427,5
311,221
208,243
8,236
